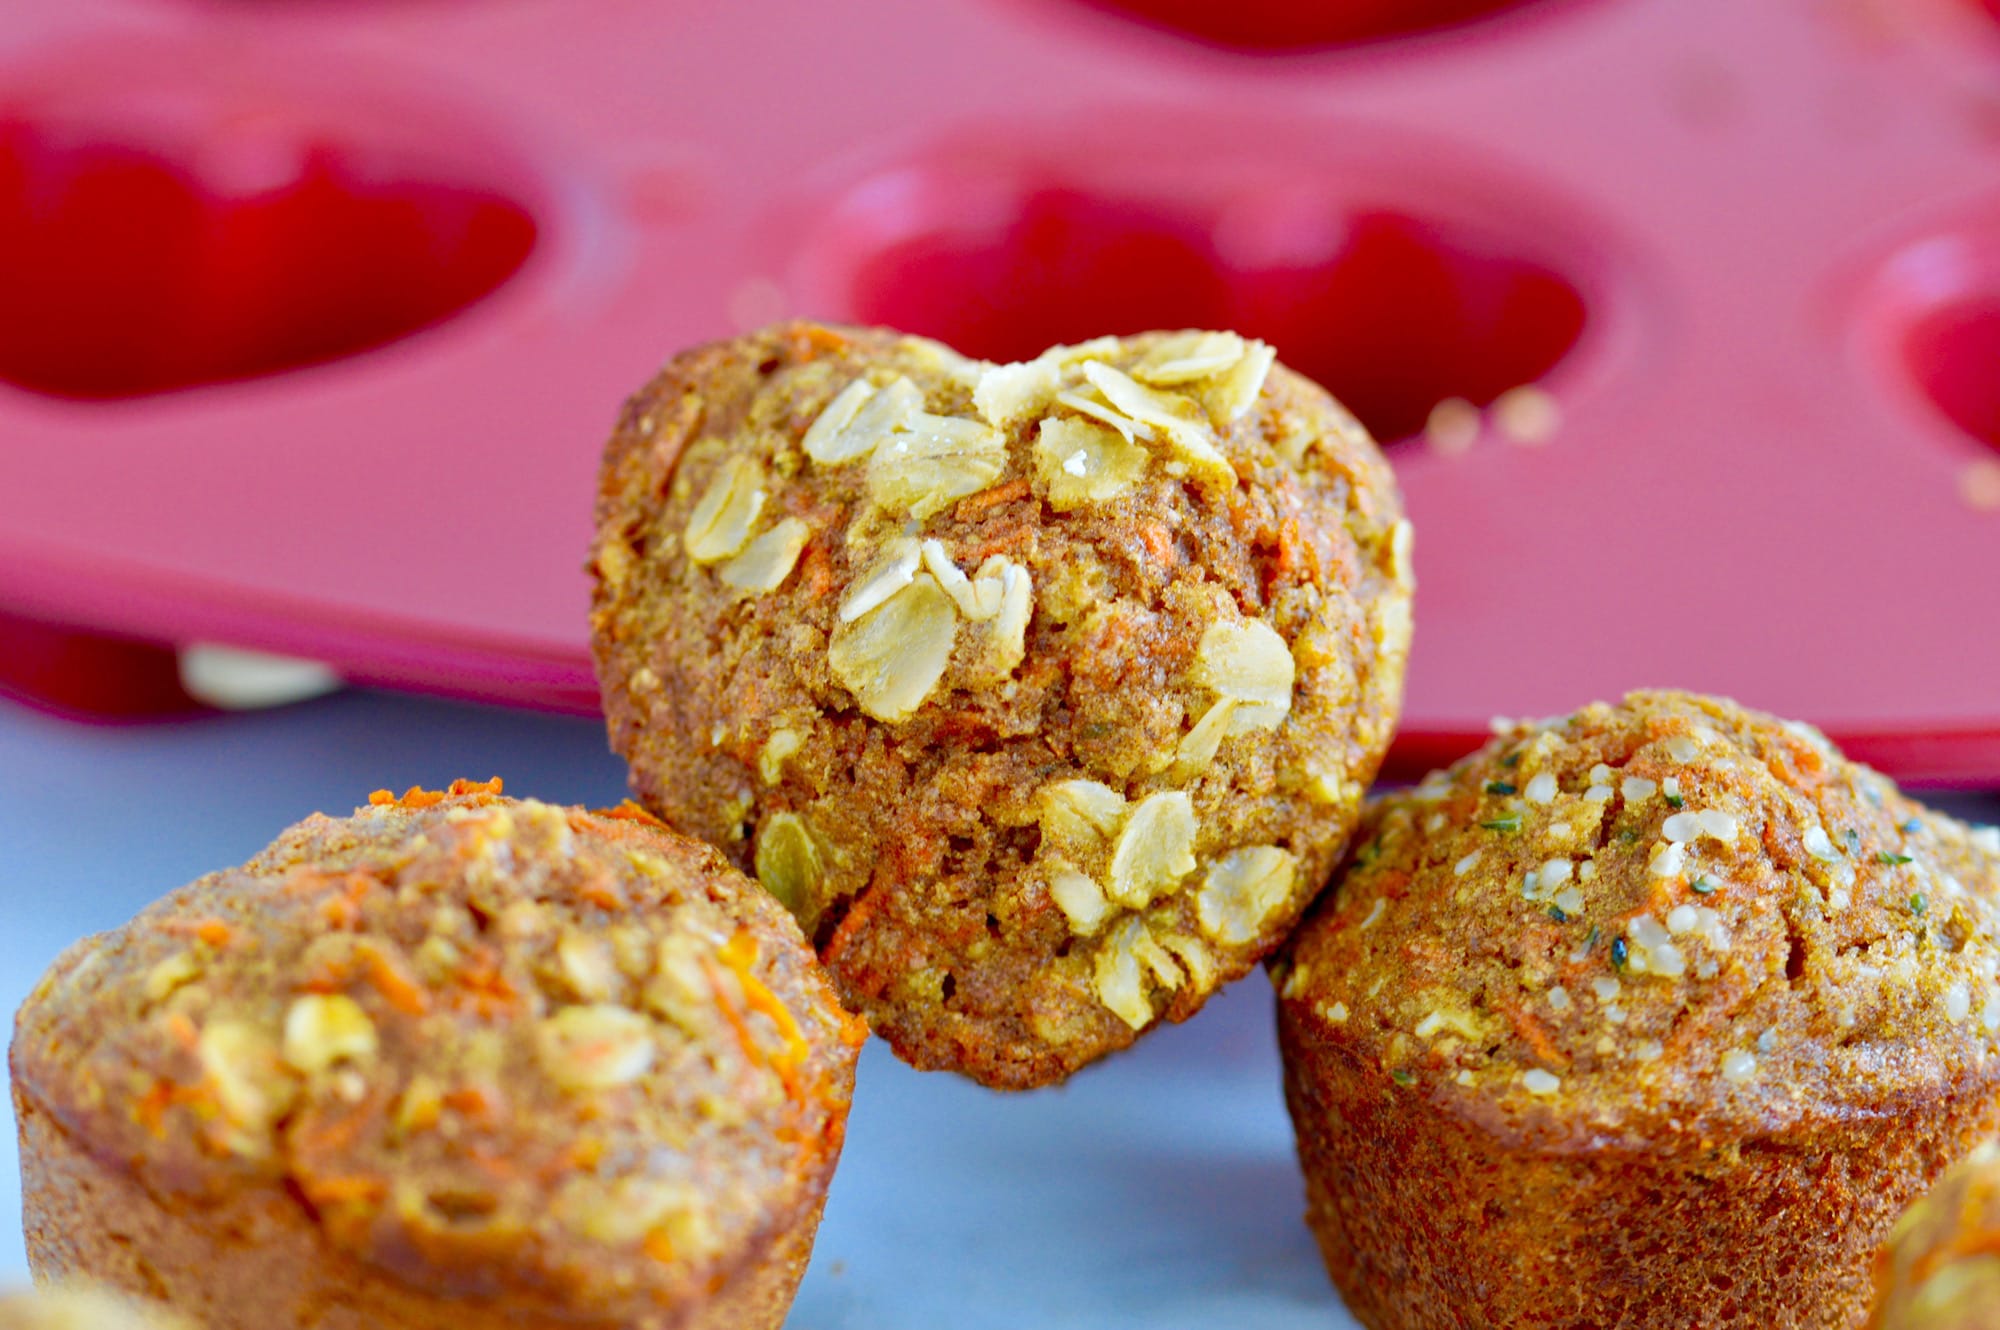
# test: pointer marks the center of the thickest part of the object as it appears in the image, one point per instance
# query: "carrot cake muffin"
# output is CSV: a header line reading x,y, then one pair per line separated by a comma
x,y
1655,1015
1044,694
456,1061
1941,1267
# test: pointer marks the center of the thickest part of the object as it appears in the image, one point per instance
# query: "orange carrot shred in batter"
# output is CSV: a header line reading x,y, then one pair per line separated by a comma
x,y
730,1014
973,505
740,954
600,891
210,930
475,1101
344,1190
632,812
1534,1035
819,571
397,988
417,797
182,1031
812,340
659,1246
151,1110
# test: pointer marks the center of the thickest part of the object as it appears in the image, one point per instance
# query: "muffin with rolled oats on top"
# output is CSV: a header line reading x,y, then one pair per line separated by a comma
x,y
457,1061
1655,1015
1044,694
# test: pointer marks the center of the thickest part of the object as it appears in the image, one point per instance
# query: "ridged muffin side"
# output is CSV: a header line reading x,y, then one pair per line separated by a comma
x,y
1657,1014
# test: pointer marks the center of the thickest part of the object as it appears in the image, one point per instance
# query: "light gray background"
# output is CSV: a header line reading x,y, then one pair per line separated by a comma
x,y
1156,1190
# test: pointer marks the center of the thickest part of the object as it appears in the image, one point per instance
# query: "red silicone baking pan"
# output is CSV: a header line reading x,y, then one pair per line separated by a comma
x,y
314,313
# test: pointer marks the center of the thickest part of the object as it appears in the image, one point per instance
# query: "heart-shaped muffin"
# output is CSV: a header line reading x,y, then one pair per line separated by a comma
x,y
1044,694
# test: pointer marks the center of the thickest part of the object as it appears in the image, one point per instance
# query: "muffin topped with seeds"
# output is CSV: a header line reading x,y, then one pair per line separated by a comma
x,y
456,1060
1044,694
1653,1015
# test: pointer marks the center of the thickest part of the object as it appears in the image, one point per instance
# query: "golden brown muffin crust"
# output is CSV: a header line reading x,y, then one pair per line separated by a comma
x,y
1672,982
923,677
494,1048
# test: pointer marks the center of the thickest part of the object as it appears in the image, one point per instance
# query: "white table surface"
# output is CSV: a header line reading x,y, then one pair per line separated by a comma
x,y
1157,1189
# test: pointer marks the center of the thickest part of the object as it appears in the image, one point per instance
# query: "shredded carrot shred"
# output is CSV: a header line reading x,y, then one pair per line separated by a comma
x,y
808,342
1001,541
600,891
659,1246
397,988
475,1101
492,993
730,1014
382,798
632,812
182,1031
1534,1035
972,505
858,911
819,571
336,1135
210,930
739,954
151,1110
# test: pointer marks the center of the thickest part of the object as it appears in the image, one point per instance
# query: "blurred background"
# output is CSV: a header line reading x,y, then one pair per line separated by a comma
x,y
1679,320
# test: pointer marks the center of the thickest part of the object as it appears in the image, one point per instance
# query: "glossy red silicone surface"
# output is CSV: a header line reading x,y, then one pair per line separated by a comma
x,y
314,313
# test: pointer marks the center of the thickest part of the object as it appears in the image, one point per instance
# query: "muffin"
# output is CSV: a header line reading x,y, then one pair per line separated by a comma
x,y
82,1309
1044,694
1658,1014
456,1061
1941,1267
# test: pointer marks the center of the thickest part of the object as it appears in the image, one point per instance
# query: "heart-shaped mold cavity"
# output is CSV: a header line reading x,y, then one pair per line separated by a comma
x,y
219,241
1300,25
1932,318
1393,308
1953,354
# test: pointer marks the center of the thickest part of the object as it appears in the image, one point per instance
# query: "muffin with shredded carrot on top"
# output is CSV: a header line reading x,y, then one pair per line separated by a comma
x,y
455,1061
1654,1015
1045,694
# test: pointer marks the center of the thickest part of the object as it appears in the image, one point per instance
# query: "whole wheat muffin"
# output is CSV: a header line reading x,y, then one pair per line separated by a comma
x,y
1656,1015
1941,1267
83,1309
1045,694
457,1061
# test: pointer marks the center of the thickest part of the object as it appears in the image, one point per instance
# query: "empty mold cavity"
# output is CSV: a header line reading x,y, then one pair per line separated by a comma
x,y
1953,354
1295,25
141,255
1393,308
1934,312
